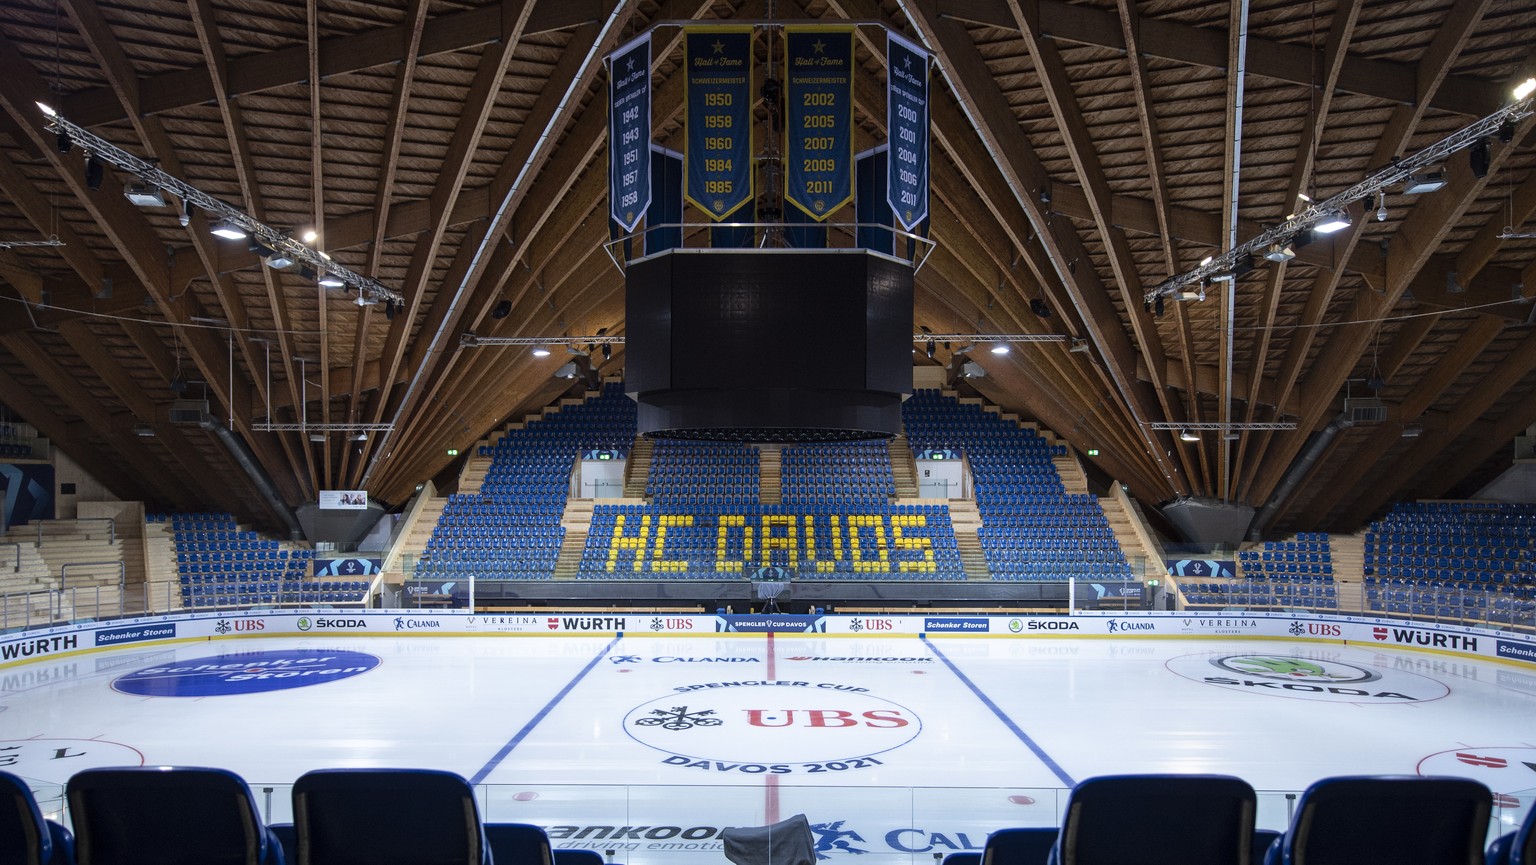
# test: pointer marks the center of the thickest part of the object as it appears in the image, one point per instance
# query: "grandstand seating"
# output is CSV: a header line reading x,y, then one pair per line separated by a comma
x,y
349,816
511,528
1158,820
221,566
167,815
1284,574
1021,846
520,844
1454,561
1377,820
713,473
25,837
1517,847
813,473
1031,528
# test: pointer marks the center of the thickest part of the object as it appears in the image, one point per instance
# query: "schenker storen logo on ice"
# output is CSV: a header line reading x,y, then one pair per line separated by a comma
x,y
245,673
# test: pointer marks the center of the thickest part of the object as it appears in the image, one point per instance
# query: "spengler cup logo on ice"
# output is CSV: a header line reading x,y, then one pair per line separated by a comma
x,y
245,673
1318,677
772,726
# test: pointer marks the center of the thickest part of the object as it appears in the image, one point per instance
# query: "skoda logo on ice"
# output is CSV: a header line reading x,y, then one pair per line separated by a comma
x,y
1292,669
1316,676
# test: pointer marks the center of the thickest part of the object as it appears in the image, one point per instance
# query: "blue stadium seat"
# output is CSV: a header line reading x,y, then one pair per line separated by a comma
x,y
167,816
1020,846
519,844
387,817
1388,820
1158,820
578,857
26,838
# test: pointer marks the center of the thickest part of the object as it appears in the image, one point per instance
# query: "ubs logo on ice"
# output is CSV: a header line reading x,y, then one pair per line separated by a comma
x,y
772,727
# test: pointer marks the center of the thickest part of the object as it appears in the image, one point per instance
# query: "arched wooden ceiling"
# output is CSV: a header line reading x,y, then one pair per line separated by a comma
x,y
455,152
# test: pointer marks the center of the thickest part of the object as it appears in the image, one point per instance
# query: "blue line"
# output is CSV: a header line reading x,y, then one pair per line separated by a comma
x,y
522,734
1007,721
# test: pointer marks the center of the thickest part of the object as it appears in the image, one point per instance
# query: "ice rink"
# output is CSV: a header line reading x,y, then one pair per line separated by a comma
x,y
895,747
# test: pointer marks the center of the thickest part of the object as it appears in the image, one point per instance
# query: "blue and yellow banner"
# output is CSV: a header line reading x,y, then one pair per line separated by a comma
x,y
818,87
629,133
906,110
718,157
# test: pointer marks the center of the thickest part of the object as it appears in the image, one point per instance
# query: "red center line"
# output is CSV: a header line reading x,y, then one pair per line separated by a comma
x,y
771,782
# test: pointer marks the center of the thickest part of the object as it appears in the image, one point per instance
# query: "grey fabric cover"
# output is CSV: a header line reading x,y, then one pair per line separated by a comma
x,y
787,842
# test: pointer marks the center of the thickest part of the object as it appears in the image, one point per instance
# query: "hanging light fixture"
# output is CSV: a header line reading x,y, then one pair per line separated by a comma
x,y
228,230
1338,220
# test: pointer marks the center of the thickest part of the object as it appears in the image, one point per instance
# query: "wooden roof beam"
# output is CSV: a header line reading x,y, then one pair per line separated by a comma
x,y
1397,83
104,467
338,55
990,118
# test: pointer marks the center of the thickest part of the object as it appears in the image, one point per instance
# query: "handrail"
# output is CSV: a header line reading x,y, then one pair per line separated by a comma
x,y
17,569
922,247
110,521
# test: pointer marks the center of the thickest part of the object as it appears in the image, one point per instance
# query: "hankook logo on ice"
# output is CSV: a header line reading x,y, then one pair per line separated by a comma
x,y
1310,677
775,727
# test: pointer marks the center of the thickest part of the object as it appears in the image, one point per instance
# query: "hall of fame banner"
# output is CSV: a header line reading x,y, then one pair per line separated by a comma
x,y
906,110
818,129
718,156
629,133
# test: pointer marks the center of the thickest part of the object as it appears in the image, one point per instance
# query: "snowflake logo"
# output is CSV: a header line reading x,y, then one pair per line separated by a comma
x,y
658,625
679,718
855,625
223,627
1297,629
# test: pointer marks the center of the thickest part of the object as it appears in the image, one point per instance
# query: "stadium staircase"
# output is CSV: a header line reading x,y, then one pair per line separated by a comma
x,y
965,519
770,478
903,468
638,468
1132,532
68,542
1348,568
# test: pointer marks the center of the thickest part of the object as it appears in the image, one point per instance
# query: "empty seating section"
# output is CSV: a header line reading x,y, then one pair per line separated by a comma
x,y
841,540
1031,528
699,473
1293,573
1454,561
221,566
814,473
511,529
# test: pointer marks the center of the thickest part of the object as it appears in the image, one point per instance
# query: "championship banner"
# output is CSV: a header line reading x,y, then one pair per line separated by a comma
x,y
906,116
819,122
629,133
718,157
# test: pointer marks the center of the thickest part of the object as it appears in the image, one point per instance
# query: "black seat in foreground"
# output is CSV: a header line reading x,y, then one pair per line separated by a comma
x,y
167,815
387,817
1020,846
520,844
26,838
1158,820
1389,820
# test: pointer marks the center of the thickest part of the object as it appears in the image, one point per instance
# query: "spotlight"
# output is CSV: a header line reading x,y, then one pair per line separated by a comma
x,y
331,280
1000,348
1479,159
95,172
1335,221
61,142
144,431
567,370
228,230
468,339
1412,431
360,437
607,351
541,352
1424,181
144,194
1506,132
186,213
1190,294
318,438
1079,346
972,369
279,260
930,347
310,235
1038,307
1189,435
389,310
1522,90
502,309
1157,307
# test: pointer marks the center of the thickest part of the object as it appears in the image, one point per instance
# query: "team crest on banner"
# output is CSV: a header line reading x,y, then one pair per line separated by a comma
x,y
719,122
818,87
906,109
629,133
